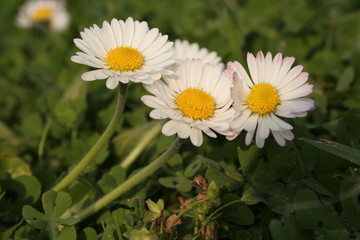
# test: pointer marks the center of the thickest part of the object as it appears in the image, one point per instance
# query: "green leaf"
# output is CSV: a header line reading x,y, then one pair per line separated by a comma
x,y
175,164
236,211
277,231
346,78
20,191
316,186
88,234
223,176
34,218
340,150
62,203
66,221
311,214
108,233
26,233
250,196
249,159
14,166
180,183
48,203
67,233
193,167
55,203
293,230
350,201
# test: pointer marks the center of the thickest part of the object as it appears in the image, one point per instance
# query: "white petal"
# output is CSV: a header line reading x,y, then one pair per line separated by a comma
x,y
196,137
94,75
253,68
278,138
112,82
249,137
170,128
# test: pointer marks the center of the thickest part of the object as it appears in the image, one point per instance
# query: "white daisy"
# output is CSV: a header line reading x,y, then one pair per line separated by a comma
x,y
273,89
196,99
36,12
123,52
184,49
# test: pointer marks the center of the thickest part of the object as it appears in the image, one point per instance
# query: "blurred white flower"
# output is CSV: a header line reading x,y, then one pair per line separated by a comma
x,y
273,89
196,99
123,52
36,12
184,49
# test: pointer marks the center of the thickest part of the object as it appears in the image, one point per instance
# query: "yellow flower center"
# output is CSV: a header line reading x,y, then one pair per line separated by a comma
x,y
196,103
42,14
124,59
263,98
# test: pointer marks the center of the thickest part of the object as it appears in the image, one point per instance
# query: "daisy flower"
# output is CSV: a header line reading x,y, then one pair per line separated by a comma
x,y
124,51
272,90
196,99
36,12
184,49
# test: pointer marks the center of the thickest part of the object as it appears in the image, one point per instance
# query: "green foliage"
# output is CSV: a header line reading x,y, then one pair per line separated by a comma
x,y
50,118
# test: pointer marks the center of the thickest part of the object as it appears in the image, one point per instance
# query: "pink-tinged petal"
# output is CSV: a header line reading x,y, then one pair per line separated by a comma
x,y
284,69
295,83
253,68
290,76
276,64
261,67
302,91
196,137
241,72
271,124
268,66
282,124
299,104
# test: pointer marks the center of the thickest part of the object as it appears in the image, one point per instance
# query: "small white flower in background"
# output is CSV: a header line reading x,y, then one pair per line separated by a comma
x,y
196,99
124,51
273,90
184,50
36,12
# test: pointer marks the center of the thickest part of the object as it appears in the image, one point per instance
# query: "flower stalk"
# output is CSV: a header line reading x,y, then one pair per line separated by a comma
x,y
145,140
101,142
132,181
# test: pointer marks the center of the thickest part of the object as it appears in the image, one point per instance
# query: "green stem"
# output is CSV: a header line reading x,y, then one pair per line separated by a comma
x,y
101,142
132,181
145,140
42,141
